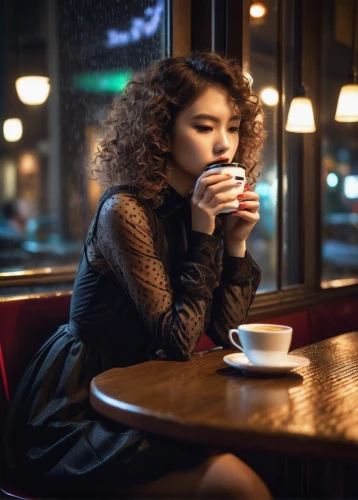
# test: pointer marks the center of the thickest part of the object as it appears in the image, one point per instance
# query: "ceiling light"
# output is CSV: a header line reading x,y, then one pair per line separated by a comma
x,y
12,129
300,116
347,106
33,89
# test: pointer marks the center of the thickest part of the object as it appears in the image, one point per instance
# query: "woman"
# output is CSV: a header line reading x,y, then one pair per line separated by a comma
x,y
158,269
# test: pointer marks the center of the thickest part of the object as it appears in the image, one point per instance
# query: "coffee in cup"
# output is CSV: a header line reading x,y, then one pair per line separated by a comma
x,y
263,344
238,171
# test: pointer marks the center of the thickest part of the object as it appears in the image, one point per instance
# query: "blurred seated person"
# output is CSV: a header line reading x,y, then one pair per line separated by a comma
x,y
16,213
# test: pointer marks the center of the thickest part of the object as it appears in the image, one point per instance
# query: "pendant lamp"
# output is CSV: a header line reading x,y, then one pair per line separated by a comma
x,y
33,89
347,106
300,115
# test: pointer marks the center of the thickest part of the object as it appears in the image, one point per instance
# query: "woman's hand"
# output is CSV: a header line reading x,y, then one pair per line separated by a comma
x,y
210,197
238,226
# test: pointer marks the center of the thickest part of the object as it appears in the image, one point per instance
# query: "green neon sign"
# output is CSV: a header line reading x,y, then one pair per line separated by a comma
x,y
102,81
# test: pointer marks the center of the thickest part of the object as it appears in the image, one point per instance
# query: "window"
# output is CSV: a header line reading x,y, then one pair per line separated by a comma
x,y
275,241
339,148
88,50
264,73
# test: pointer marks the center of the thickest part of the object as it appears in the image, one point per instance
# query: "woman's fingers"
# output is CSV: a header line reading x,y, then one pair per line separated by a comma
x,y
252,206
250,195
252,217
214,192
204,182
226,207
220,193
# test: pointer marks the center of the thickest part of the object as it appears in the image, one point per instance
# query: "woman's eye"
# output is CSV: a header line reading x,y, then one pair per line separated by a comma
x,y
203,128
234,130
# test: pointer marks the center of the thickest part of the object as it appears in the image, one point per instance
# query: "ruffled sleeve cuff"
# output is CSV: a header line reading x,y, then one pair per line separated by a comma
x,y
240,270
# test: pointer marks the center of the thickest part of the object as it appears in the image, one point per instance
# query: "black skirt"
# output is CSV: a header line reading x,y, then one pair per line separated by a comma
x,y
56,442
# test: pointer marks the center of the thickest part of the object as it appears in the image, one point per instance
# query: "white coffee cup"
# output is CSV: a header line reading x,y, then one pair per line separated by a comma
x,y
238,171
263,344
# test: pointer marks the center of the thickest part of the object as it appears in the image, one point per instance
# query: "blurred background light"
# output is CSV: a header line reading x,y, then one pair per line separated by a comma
x,y
12,129
8,167
258,10
28,164
332,180
102,81
33,89
269,95
350,186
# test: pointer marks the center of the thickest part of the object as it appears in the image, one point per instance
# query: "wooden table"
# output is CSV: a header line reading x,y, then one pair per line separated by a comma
x,y
312,411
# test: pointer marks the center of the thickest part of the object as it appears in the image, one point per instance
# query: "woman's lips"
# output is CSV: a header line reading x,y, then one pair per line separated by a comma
x,y
219,160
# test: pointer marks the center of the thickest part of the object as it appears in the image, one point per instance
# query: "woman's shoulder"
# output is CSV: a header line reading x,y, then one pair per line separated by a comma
x,y
124,203
121,195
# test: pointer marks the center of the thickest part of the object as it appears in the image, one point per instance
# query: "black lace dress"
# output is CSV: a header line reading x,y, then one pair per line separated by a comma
x,y
147,286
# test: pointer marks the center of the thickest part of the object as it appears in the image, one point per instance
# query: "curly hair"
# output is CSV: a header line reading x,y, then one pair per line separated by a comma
x,y
135,149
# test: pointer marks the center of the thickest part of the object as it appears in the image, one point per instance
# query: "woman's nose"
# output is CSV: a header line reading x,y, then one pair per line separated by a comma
x,y
222,143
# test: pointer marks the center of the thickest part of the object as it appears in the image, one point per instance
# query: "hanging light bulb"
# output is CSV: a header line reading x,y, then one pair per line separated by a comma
x,y
33,89
12,129
347,106
300,116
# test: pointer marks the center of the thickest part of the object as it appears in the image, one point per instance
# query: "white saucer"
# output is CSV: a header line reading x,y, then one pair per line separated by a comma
x,y
240,361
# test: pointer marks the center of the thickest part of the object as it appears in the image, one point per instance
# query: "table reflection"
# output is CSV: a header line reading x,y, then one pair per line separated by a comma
x,y
247,397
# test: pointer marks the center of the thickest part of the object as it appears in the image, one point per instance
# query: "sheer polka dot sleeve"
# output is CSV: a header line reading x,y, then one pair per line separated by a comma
x,y
175,314
240,278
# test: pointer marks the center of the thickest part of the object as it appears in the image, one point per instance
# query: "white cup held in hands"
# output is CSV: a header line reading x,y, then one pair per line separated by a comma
x,y
238,171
